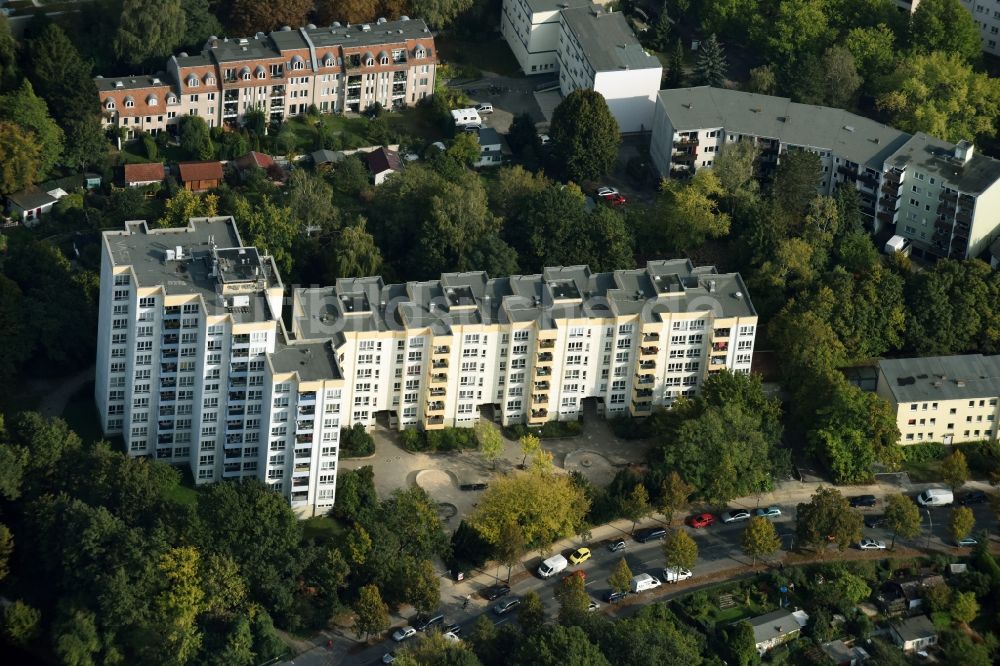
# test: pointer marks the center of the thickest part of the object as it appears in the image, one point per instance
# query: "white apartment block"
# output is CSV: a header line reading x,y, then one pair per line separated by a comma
x,y
336,68
943,197
590,48
947,399
195,367
598,50
986,14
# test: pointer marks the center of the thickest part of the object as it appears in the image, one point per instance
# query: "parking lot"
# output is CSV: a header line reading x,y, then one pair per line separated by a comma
x,y
510,96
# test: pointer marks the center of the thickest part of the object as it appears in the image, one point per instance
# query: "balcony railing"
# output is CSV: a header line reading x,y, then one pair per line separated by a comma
x,y
643,380
440,365
438,392
539,413
436,406
546,344
545,357
442,349
647,365
540,398
643,393
721,333
720,347
543,372
651,337
541,386
649,351
642,407
439,379
435,420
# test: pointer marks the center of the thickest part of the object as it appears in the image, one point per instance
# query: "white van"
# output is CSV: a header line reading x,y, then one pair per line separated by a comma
x,y
936,497
485,107
676,575
552,566
644,582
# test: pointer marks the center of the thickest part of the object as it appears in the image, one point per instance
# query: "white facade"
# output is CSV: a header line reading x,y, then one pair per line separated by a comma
x,y
531,28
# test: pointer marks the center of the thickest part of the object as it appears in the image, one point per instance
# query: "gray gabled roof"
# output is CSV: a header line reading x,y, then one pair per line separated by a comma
x,y
773,625
915,628
846,134
606,39
942,377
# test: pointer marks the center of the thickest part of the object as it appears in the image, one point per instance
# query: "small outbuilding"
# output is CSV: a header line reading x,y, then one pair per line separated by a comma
x,y
200,176
382,163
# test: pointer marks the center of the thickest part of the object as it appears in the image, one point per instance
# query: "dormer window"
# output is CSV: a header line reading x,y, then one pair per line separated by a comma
x,y
328,62
152,100
384,60
109,105
209,80
171,99
193,82
129,102
261,74
421,53
297,63
245,73
369,61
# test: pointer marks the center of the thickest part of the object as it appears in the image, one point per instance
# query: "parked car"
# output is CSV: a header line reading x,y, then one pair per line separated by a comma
x,y
453,629
973,497
388,657
424,622
579,556
593,606
769,512
403,633
485,108
613,596
610,195
967,542
616,545
473,486
874,521
701,520
506,606
935,497
871,544
735,515
494,592
650,534
862,501
450,637
644,582
676,575
605,191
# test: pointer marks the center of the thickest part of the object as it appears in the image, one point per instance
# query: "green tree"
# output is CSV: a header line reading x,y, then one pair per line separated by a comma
x,y
687,213
6,549
439,13
355,11
20,623
957,648
372,615
955,469
30,112
20,155
742,644
874,51
61,77
711,66
799,174
964,607
76,639
200,23
679,550
851,587
238,650
573,600
270,226
940,94
531,612
947,26
827,515
736,169
637,505
621,578
510,545
194,138
149,29
951,307
585,136
530,446
763,80
794,29
675,69
464,148
310,199
249,16
86,144
674,495
902,517
611,242
521,498
523,139
557,646
961,523
184,205
8,55
355,252
423,588
760,538
224,587
841,81
490,441
179,602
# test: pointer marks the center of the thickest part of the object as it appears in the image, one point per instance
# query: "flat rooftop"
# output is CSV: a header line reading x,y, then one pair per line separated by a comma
x,y
313,361
558,293
942,377
859,139
208,248
933,156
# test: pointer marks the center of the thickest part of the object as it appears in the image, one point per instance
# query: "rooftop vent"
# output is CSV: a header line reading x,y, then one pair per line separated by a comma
x,y
336,24
756,109
259,35
183,54
849,128
404,18
156,81
286,28
366,28
380,20
963,151
242,41
738,295
960,382
119,84
211,37
311,26
98,77
711,286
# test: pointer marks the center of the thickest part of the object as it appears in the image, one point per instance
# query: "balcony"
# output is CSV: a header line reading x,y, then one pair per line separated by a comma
x,y
541,386
172,324
642,407
438,392
648,351
717,361
946,196
434,421
847,172
546,344
237,396
301,467
168,396
442,350
643,394
237,382
645,380
307,398
165,439
165,425
168,382
302,427
540,399
946,210
170,339
307,410
440,365
538,414
647,365
720,347
303,453
543,371
233,439
300,497
545,357
168,367
439,378
721,333
651,337
237,368
167,354
300,482
435,406
303,439
685,141
239,410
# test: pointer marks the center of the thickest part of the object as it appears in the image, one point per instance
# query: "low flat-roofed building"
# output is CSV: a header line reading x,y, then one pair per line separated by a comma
x,y
948,399
914,633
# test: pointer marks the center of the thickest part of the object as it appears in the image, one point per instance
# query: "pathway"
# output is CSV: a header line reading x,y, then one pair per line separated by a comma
x,y
55,393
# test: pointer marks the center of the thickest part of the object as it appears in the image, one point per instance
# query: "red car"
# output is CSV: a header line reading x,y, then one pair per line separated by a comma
x,y
701,520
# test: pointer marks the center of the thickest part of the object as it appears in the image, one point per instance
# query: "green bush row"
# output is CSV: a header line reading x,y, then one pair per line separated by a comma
x,y
449,439
550,430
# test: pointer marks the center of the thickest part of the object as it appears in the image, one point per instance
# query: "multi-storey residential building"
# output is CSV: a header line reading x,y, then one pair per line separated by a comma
x,y
530,348
986,14
336,68
195,367
941,196
590,48
948,399
597,49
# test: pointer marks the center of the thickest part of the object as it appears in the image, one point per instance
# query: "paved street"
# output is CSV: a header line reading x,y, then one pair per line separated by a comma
x,y
719,555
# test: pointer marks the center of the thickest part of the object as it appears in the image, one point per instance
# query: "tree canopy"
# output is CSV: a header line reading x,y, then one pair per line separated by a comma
x,y
585,136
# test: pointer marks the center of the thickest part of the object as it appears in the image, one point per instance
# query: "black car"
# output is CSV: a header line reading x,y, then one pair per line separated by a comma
x,y
863,501
973,497
616,545
472,486
613,596
495,592
650,534
874,521
507,606
453,629
423,623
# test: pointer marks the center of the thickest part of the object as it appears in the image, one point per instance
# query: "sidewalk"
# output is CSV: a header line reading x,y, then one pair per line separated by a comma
x,y
453,593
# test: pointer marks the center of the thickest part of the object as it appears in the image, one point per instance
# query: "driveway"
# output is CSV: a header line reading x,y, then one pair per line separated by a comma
x,y
509,96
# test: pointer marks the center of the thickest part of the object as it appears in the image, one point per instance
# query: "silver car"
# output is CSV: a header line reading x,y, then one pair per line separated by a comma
x,y
735,515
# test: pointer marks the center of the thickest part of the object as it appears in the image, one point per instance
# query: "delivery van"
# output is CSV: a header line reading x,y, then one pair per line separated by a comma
x,y
936,497
644,582
552,566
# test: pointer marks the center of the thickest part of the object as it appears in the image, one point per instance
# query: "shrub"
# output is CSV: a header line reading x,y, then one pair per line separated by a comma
x,y
448,439
149,146
549,430
355,442
918,453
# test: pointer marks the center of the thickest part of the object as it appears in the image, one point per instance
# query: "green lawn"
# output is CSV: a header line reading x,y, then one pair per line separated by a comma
x,y
184,493
923,472
132,153
323,529
493,55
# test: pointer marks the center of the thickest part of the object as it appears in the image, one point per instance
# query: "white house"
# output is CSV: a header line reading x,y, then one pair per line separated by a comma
x,y
914,633
489,148
29,205
531,28
773,629
598,50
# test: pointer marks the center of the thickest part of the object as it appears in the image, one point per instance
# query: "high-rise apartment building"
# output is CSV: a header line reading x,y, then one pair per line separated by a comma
x,y
337,68
985,13
196,367
943,197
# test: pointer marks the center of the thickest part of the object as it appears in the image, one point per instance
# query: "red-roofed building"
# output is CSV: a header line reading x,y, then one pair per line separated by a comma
x,y
140,175
200,176
382,163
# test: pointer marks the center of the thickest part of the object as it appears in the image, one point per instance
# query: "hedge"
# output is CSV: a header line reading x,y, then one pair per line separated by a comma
x,y
448,439
550,430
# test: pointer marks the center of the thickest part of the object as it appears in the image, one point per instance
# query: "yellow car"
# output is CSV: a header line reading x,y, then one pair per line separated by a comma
x,y
579,555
